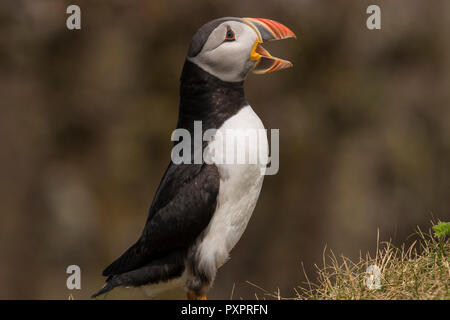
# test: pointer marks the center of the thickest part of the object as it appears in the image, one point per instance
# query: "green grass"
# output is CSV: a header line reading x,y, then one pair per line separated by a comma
x,y
420,271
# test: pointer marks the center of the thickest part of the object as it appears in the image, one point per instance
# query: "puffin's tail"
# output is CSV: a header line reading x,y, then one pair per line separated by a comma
x,y
161,269
110,284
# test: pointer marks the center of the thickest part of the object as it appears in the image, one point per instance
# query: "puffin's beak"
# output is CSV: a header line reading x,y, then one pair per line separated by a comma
x,y
268,30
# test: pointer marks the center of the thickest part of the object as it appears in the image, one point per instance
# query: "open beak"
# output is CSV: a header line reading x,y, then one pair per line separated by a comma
x,y
268,30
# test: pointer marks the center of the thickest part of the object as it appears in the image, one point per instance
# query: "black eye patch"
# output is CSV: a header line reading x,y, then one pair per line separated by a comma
x,y
230,36
202,34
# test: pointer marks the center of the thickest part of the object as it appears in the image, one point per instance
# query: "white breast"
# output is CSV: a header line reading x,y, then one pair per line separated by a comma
x,y
240,184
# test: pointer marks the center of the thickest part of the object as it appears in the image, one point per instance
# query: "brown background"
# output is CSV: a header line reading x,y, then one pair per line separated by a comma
x,y
86,117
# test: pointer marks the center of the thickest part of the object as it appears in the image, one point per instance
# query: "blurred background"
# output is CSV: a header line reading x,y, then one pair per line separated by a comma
x,y
86,118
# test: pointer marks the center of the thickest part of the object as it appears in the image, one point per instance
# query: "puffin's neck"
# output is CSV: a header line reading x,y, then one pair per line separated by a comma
x,y
204,97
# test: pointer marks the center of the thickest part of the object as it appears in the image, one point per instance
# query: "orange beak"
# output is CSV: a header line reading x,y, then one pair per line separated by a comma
x,y
268,30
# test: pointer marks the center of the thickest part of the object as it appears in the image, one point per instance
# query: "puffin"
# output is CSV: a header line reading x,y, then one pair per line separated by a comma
x,y
201,208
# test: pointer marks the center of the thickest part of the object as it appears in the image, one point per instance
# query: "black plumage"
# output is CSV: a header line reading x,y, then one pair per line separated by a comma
x,y
186,198
183,206
206,98
202,34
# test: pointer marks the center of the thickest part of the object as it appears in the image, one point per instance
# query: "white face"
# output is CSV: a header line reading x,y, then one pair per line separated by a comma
x,y
228,60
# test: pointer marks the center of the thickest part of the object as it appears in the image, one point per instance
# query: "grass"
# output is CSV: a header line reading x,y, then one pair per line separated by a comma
x,y
420,271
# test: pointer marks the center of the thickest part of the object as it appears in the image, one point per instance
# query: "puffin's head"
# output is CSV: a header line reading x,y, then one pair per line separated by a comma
x,y
229,48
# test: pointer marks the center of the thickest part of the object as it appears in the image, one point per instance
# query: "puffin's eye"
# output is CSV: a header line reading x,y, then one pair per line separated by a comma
x,y
229,36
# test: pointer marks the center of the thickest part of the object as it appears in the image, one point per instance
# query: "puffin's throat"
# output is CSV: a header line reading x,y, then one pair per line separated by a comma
x,y
204,97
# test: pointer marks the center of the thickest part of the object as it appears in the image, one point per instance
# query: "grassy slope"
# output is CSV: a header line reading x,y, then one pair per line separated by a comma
x,y
421,271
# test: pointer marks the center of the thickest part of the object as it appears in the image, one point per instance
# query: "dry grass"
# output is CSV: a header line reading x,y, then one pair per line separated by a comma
x,y
420,271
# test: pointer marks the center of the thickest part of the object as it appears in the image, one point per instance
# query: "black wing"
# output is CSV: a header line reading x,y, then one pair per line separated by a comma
x,y
183,206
